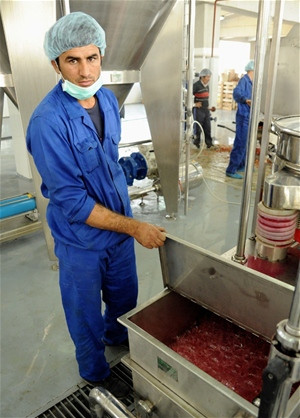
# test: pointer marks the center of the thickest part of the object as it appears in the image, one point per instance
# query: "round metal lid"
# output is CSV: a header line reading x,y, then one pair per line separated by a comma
x,y
289,125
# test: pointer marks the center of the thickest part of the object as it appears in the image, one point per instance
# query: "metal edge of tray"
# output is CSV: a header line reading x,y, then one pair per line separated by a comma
x,y
250,299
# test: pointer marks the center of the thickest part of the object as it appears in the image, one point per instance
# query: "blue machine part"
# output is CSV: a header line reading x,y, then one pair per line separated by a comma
x,y
134,167
16,205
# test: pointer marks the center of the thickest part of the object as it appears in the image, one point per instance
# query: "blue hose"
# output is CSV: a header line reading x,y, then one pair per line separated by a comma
x,y
16,205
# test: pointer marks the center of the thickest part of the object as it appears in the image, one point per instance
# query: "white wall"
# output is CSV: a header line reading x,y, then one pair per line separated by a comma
x,y
233,55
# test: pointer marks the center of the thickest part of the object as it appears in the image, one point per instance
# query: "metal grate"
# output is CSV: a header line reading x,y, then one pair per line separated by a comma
x,y
76,405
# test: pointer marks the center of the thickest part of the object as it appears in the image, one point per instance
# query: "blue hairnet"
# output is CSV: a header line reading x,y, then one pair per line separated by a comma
x,y
205,72
72,31
250,66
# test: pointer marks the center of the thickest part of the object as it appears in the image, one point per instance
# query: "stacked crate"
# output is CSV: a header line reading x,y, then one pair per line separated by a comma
x,y
228,82
228,102
220,96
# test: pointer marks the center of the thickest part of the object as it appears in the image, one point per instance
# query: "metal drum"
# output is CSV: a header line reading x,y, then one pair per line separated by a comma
x,y
282,188
288,132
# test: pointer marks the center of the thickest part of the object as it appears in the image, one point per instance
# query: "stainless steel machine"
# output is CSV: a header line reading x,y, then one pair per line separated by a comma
x,y
197,281
260,297
282,188
200,348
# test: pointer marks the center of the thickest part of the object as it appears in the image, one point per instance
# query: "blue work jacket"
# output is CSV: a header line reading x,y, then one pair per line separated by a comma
x,y
241,93
77,169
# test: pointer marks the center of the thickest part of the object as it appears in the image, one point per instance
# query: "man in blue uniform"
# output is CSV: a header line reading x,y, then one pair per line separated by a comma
x,y
242,95
201,109
73,136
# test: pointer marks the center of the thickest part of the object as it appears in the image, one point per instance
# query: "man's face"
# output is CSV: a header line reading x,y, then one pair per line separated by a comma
x,y
80,66
205,79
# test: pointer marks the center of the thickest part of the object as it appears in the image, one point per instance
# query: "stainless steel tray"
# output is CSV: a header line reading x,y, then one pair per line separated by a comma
x,y
197,279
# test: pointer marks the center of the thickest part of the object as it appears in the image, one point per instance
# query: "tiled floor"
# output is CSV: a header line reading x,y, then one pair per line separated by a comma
x,y
37,355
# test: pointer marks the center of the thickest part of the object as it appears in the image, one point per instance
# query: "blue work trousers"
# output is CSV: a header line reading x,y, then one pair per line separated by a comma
x,y
238,152
84,276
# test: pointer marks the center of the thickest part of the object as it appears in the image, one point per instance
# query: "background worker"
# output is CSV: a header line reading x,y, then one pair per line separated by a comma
x,y
201,109
242,95
73,136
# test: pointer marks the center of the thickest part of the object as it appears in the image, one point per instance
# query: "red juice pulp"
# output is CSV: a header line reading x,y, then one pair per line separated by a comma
x,y
228,353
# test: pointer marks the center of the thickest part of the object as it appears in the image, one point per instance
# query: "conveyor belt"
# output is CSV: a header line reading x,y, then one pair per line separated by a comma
x,y
76,405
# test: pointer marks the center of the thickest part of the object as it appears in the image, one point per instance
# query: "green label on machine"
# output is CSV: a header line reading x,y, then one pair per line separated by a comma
x,y
166,368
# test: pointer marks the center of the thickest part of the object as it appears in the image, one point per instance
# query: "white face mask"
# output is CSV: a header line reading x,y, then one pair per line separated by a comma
x,y
81,93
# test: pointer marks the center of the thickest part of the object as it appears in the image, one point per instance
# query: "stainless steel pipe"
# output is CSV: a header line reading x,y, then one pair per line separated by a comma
x,y
65,7
136,194
132,144
101,400
189,107
293,324
260,52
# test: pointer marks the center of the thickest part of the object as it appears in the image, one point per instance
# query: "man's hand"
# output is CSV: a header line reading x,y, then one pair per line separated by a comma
x,y
248,102
198,104
150,236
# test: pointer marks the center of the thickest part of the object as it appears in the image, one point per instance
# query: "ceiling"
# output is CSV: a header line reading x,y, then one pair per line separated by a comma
x,y
239,19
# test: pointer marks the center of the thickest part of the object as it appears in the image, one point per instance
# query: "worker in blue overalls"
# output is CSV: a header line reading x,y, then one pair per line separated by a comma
x,y
73,136
242,95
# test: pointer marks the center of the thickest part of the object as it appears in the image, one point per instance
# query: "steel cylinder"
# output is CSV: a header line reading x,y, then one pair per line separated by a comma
x,y
275,231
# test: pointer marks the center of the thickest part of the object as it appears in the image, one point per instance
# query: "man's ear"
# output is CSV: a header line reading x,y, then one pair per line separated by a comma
x,y
55,66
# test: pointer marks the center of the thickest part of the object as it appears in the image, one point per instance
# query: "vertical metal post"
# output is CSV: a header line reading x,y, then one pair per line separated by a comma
x,y
269,103
65,6
260,51
1,111
189,109
293,324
